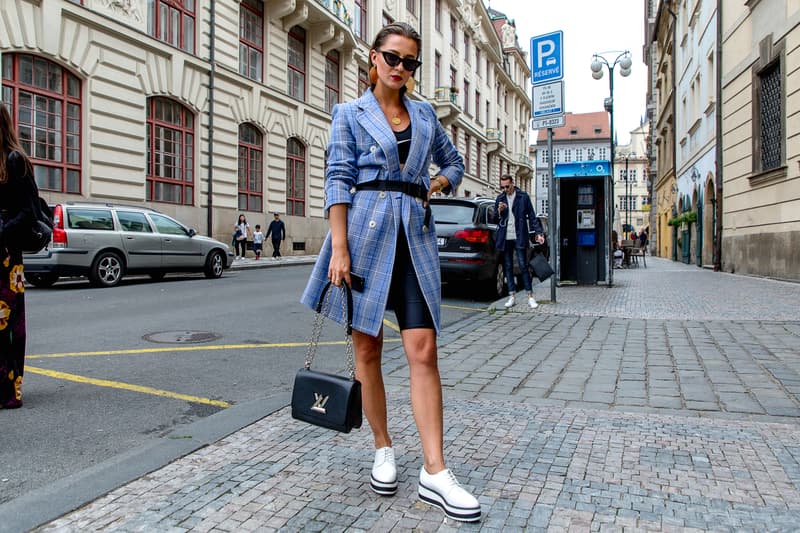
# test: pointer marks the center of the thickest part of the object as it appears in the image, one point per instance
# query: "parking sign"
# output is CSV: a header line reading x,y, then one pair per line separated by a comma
x,y
547,57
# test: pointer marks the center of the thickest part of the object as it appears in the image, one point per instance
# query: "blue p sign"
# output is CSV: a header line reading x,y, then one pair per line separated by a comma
x,y
547,57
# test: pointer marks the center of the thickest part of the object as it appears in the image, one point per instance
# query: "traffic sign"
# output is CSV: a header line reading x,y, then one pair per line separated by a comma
x,y
556,121
548,99
547,57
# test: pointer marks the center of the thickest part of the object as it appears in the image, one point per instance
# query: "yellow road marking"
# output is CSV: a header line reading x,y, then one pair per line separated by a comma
x,y
125,386
137,351
466,308
391,324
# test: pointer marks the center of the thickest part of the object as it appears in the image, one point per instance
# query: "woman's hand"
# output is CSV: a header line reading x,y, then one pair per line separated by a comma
x,y
438,183
339,266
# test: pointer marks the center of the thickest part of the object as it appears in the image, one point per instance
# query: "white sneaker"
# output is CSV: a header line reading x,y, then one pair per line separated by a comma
x,y
444,491
383,479
510,302
532,302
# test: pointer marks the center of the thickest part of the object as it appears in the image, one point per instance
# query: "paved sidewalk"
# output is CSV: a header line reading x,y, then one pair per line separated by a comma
x,y
668,402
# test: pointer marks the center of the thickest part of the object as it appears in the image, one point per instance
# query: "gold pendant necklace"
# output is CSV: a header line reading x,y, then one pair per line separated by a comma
x,y
396,120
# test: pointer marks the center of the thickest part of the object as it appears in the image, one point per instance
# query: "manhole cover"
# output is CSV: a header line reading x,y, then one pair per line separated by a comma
x,y
181,337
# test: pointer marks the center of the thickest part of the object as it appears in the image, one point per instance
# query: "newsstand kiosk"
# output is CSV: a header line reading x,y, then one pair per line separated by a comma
x,y
584,238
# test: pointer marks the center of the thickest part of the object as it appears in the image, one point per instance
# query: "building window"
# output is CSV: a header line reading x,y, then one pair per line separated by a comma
x,y
360,19
251,39
411,6
453,27
466,98
543,180
387,19
478,60
363,81
478,106
332,85
579,154
170,152
466,48
251,163
454,136
437,69
632,175
603,153
478,159
172,21
296,63
545,157
437,15
295,178
467,153
44,100
770,115
567,155
453,76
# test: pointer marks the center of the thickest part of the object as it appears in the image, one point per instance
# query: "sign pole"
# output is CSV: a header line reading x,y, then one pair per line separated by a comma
x,y
552,217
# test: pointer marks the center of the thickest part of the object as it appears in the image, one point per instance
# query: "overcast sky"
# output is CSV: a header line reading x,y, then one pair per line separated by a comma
x,y
590,26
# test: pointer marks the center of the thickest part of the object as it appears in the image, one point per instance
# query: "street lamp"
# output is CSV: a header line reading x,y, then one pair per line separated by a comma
x,y
624,61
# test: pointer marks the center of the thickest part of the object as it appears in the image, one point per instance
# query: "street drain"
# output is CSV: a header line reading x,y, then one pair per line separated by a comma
x,y
181,337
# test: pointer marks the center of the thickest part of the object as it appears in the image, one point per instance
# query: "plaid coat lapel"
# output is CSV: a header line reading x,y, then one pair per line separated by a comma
x,y
371,118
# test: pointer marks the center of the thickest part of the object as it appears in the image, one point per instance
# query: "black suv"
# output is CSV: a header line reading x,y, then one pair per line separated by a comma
x,y
466,238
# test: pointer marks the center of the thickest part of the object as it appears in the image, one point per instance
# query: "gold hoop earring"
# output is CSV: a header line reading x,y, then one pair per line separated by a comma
x,y
373,75
410,84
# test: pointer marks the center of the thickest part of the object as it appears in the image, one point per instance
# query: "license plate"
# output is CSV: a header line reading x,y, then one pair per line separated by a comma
x,y
441,241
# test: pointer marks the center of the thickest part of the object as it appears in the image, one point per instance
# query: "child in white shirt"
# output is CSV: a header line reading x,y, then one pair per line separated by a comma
x,y
258,241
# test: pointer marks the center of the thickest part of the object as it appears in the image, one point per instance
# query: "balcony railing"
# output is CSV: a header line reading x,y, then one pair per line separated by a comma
x,y
493,134
525,160
339,10
446,94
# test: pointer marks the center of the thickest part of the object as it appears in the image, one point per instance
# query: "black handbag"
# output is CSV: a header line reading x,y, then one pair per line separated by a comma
x,y
541,268
328,400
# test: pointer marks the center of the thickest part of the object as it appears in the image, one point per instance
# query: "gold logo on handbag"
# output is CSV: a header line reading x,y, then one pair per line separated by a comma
x,y
319,403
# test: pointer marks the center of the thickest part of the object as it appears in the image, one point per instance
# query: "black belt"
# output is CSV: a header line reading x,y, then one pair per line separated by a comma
x,y
412,189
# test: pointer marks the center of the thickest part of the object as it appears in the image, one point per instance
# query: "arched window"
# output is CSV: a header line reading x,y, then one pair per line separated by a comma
x,y
170,152
45,101
251,163
295,178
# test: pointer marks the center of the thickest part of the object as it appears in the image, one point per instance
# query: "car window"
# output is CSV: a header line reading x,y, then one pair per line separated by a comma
x,y
98,219
133,221
167,225
453,213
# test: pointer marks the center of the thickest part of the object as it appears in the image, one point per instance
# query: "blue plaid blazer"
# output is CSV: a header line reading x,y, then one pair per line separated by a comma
x,y
363,148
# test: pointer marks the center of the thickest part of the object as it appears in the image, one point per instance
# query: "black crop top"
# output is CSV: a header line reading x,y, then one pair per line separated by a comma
x,y
403,143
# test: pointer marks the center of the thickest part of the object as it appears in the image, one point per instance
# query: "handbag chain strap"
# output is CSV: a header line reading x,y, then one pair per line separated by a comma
x,y
316,332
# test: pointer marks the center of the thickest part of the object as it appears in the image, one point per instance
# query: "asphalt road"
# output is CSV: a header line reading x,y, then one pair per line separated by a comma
x,y
101,381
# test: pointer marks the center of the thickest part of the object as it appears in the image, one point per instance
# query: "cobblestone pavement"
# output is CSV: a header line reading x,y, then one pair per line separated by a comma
x,y
611,410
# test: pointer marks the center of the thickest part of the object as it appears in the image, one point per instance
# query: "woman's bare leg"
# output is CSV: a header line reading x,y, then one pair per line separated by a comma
x,y
426,394
368,350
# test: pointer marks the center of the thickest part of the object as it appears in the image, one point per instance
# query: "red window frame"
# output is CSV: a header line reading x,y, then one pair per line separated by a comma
x,y
453,26
163,31
55,146
360,24
363,81
295,177
467,153
297,36
478,159
181,162
437,15
251,38
333,80
251,168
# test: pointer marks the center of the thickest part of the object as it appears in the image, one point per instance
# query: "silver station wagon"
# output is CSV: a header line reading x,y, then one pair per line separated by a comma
x,y
104,242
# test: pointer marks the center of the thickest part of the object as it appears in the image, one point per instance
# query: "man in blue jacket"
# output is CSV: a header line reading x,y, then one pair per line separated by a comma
x,y
513,234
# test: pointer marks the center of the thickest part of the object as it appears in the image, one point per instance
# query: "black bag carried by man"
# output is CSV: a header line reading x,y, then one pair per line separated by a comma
x,y
541,268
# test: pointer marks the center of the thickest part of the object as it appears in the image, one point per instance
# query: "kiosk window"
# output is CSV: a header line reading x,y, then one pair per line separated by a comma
x,y
585,195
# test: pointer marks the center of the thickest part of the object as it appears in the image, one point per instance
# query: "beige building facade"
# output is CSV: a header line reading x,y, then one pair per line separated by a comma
x,y
761,141
204,110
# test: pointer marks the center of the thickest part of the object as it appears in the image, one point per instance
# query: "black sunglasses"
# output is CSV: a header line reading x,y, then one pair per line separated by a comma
x,y
393,60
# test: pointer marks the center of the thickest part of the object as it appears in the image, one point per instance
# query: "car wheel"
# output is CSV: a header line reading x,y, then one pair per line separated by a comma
x,y
214,264
496,285
107,270
157,276
41,280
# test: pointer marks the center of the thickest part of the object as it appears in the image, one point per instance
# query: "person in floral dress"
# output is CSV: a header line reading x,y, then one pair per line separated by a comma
x,y
17,192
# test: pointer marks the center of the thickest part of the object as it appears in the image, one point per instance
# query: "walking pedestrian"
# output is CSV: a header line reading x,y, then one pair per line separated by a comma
x,y
258,241
278,231
240,237
18,191
377,187
513,235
